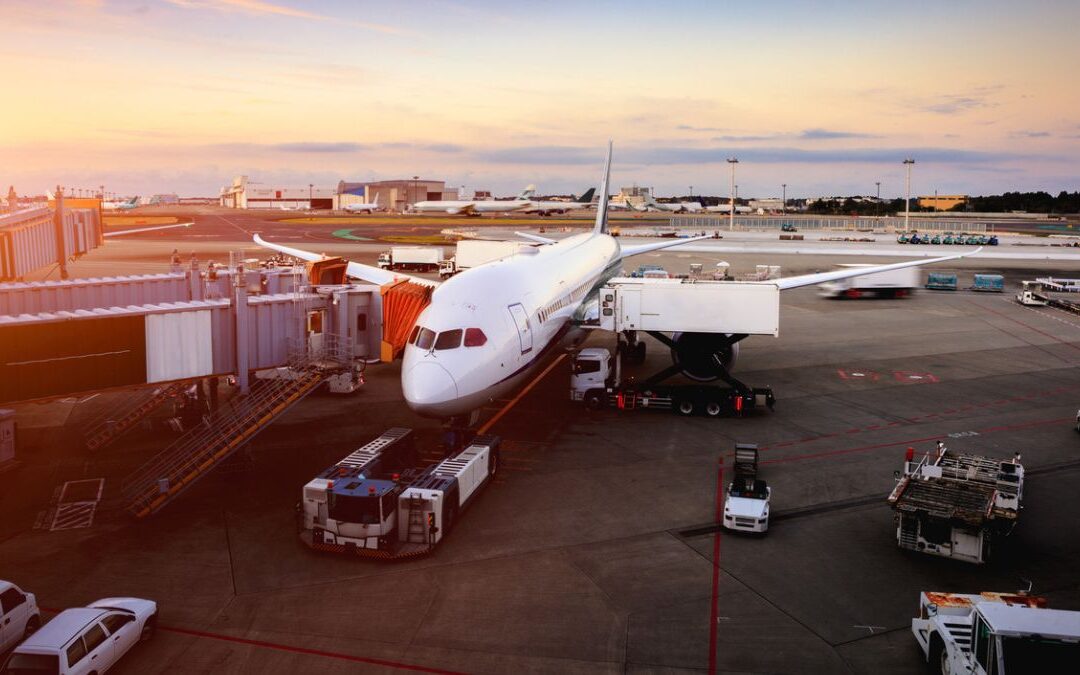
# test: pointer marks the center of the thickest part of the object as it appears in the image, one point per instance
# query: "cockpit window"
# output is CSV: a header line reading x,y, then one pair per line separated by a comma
x,y
425,339
415,332
448,339
474,337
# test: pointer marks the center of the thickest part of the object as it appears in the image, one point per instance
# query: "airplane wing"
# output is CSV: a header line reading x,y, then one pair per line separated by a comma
x,y
374,275
628,251
146,229
822,277
535,237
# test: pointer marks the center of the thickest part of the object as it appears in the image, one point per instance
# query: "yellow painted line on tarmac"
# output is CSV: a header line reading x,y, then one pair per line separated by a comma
x,y
521,394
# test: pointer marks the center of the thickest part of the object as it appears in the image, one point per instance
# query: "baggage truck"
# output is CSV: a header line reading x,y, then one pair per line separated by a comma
x,y
416,258
376,503
891,284
475,252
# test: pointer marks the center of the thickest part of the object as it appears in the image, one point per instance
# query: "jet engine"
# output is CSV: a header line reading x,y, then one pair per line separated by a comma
x,y
702,355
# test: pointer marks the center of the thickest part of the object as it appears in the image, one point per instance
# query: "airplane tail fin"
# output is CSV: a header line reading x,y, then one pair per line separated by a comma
x,y
601,207
586,197
528,193
375,202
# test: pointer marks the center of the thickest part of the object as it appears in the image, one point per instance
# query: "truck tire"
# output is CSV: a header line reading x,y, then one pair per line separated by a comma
x,y
684,407
494,464
149,628
32,624
938,660
594,400
713,409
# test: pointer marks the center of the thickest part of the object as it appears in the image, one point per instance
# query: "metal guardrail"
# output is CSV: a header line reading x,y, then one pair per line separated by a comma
x,y
809,223
118,420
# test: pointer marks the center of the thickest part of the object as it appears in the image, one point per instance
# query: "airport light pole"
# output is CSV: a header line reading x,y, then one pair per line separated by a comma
x,y
414,179
783,200
310,187
731,222
878,197
907,192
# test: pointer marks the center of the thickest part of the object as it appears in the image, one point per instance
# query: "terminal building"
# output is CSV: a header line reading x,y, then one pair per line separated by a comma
x,y
942,202
394,195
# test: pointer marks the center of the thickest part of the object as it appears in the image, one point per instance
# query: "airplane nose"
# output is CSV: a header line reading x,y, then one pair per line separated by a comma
x,y
426,385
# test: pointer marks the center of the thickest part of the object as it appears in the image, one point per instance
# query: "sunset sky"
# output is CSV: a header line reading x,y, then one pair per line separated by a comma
x,y
828,97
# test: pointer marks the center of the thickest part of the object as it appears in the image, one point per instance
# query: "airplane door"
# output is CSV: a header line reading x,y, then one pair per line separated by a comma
x,y
521,320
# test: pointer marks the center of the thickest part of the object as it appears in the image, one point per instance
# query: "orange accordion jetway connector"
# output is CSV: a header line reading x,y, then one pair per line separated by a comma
x,y
402,303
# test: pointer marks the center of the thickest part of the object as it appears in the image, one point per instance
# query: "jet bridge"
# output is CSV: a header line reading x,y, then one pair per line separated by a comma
x,y
691,306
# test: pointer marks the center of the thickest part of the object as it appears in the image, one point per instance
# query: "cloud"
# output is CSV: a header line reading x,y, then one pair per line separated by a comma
x,y
687,127
318,147
549,154
263,8
744,139
826,134
1030,134
953,104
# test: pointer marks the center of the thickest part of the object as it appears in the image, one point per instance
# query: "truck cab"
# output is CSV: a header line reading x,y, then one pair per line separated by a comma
x,y
995,634
591,371
1031,294
385,261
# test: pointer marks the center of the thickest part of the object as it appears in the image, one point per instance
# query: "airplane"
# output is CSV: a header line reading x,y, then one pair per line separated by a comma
x,y
546,208
489,328
475,207
364,208
120,205
677,207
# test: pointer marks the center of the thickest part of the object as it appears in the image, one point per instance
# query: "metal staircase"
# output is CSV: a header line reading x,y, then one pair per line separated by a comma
x,y
205,446
117,421
909,532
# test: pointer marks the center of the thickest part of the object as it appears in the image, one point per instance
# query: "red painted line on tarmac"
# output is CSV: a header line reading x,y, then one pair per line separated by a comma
x,y
1027,325
305,650
714,612
289,648
910,441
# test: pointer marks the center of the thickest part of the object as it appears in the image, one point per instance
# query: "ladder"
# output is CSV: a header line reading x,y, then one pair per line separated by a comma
x,y
196,453
119,420
418,529
909,528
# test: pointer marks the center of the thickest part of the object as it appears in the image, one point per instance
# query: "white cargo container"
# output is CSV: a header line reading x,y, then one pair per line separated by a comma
x,y
421,258
891,284
683,305
475,252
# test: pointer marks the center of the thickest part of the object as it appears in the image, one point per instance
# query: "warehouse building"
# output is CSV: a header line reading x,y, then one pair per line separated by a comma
x,y
247,194
398,195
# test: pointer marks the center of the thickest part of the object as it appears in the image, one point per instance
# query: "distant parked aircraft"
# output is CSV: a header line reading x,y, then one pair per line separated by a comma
x,y
677,207
471,207
546,208
117,205
364,208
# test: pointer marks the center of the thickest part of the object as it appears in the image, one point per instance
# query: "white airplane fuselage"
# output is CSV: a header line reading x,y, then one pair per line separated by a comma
x,y
454,207
523,305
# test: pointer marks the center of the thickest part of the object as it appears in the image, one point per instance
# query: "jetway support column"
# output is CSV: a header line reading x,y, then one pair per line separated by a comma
x,y
58,231
240,312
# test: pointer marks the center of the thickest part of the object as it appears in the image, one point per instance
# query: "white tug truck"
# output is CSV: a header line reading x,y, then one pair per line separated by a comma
x,y
375,503
996,634
955,505
746,505
475,252
899,283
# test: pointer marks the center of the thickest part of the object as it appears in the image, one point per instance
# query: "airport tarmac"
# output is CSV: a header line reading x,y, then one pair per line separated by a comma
x,y
594,550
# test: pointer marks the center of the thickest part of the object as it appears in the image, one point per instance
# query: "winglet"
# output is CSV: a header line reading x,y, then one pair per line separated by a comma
x,y
601,206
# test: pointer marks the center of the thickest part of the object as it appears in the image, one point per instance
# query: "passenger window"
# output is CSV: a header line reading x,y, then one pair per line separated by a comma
x,y
474,337
415,332
115,622
10,599
94,637
449,339
75,652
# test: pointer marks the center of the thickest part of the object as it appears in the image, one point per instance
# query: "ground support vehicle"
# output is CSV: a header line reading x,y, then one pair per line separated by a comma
x,y
995,634
597,382
956,505
892,284
377,503
417,258
475,252
85,640
19,615
746,503
1031,294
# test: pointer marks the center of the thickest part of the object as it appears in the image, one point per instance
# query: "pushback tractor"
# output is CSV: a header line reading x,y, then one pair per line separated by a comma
x,y
377,503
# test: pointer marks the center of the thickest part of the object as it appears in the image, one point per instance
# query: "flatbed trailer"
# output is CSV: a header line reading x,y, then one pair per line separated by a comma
x,y
376,503
955,505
